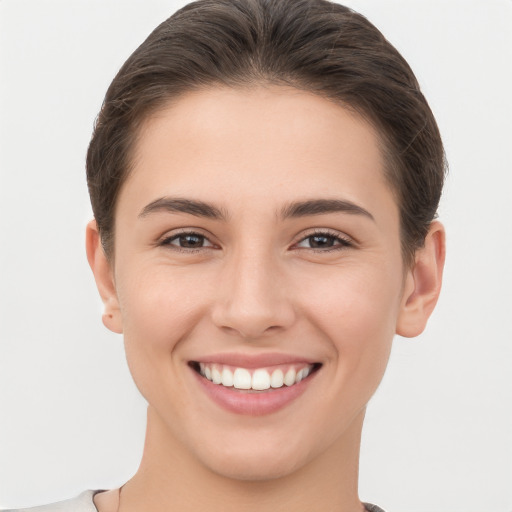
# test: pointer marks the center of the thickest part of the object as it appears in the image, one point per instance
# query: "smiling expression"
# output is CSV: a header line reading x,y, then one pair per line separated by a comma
x,y
256,240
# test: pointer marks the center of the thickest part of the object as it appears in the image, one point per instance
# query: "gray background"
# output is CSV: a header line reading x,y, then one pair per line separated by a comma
x,y
438,435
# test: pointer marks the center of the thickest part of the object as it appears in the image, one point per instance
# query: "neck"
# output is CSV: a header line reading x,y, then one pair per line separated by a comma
x,y
169,478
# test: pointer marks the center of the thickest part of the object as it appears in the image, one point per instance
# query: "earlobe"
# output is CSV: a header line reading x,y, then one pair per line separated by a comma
x,y
423,284
103,274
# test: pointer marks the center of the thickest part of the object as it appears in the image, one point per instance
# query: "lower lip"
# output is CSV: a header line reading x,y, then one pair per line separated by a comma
x,y
253,403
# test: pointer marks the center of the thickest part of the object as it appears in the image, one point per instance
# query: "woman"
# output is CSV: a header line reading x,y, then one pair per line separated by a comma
x,y
264,177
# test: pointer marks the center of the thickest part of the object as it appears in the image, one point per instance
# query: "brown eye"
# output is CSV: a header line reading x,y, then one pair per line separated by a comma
x,y
191,241
188,241
321,241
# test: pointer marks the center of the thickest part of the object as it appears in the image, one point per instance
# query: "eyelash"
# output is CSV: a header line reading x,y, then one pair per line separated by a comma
x,y
168,242
341,242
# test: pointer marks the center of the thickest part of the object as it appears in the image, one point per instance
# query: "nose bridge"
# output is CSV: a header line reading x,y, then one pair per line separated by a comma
x,y
252,297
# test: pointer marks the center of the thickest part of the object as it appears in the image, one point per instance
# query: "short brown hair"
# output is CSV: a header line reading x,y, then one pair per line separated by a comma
x,y
313,45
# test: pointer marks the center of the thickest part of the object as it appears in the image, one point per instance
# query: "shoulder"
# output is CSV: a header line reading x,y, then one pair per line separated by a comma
x,y
82,503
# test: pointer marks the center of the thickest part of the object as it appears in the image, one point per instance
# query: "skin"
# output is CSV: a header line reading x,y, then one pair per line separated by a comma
x,y
258,284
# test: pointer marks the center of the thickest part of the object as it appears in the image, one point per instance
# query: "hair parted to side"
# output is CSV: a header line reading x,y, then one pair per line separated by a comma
x,y
312,45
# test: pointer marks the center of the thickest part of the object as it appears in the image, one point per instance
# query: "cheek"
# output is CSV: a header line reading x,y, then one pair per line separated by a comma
x,y
360,299
159,309
159,306
356,310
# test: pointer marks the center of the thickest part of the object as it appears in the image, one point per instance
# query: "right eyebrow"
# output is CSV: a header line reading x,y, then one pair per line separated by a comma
x,y
181,205
323,206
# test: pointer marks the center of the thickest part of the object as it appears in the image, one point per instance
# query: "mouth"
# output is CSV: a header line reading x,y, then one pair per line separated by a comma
x,y
254,379
253,390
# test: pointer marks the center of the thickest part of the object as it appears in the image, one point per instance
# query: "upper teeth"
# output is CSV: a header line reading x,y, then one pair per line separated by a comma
x,y
260,379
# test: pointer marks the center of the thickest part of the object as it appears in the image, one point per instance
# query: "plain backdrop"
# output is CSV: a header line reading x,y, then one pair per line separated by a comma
x,y
438,434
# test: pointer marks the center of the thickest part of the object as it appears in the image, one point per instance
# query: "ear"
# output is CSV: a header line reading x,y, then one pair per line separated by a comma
x,y
104,276
422,284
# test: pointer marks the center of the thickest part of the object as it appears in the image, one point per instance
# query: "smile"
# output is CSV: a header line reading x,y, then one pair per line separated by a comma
x,y
258,379
258,387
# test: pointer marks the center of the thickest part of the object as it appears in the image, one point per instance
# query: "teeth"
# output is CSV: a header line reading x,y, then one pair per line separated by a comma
x,y
227,377
277,379
216,376
289,378
260,380
242,379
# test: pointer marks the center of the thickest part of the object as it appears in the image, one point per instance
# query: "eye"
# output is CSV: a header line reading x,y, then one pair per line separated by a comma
x,y
187,241
324,241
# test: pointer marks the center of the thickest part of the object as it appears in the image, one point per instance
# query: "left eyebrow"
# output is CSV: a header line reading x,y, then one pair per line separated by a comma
x,y
323,206
182,205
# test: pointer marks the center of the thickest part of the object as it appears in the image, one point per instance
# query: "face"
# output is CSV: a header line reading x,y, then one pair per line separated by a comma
x,y
258,277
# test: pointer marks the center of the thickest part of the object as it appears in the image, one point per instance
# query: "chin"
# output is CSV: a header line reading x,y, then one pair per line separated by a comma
x,y
256,467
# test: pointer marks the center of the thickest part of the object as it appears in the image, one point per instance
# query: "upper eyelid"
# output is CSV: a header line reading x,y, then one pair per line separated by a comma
x,y
323,231
186,231
299,238
165,241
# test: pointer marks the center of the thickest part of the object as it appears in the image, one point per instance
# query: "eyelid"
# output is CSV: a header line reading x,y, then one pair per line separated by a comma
x,y
345,240
165,239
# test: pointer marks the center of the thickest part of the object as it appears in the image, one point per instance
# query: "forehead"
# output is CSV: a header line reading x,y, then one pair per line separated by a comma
x,y
262,142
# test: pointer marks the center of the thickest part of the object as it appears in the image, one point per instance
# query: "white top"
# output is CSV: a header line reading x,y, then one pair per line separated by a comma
x,y
82,503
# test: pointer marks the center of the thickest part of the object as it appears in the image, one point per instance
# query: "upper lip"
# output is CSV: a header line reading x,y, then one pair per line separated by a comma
x,y
254,360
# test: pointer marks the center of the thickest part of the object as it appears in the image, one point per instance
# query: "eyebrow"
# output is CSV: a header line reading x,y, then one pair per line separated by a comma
x,y
292,210
181,205
323,206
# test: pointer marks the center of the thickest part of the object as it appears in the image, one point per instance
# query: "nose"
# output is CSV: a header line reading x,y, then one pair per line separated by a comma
x,y
252,297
